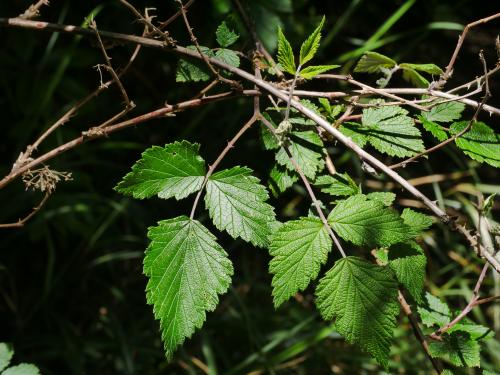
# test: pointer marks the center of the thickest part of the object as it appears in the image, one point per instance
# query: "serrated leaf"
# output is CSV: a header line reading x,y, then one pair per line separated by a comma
x,y
280,179
298,249
408,262
6,354
417,221
415,78
435,129
193,70
361,297
269,140
437,312
187,270
22,369
285,53
311,44
356,132
227,56
306,148
312,71
236,203
480,143
426,68
340,184
445,112
371,62
458,349
225,37
175,170
384,197
367,222
476,331
391,131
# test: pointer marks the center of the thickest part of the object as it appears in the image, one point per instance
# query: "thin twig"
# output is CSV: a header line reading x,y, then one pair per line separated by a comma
x,y
33,10
20,223
176,15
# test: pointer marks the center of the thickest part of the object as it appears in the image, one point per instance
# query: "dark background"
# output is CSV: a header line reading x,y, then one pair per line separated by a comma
x,y
72,295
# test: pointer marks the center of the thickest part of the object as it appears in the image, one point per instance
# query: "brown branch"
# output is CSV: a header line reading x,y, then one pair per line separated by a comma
x,y
449,68
175,16
33,10
20,223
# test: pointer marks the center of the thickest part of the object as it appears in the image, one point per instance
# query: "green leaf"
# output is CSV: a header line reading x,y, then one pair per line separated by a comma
x,y
175,170
458,349
186,271
311,44
371,62
417,221
280,179
445,112
312,71
22,369
426,68
437,312
415,78
227,56
298,249
435,129
225,37
285,53
340,184
193,70
480,143
306,149
269,141
236,203
6,354
391,131
367,222
476,331
362,298
356,132
384,197
408,262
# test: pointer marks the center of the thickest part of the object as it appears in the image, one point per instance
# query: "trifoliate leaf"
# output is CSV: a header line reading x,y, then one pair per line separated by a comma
x,y
306,149
340,184
225,37
356,132
426,68
371,62
298,249
445,112
175,170
415,78
458,349
367,222
312,71
236,203
391,131
417,221
6,354
187,269
193,70
227,56
280,179
480,143
285,53
362,298
311,44
435,129
437,312
384,197
22,369
408,262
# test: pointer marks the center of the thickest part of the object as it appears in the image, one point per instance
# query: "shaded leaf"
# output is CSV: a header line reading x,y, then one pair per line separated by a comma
x,y
225,37
371,62
435,129
458,349
313,71
340,184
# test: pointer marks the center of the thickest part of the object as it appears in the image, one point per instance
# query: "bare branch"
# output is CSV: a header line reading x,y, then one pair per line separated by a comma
x,y
20,223
33,10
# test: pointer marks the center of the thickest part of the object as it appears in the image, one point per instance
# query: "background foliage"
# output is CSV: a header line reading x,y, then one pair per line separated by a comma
x,y
71,284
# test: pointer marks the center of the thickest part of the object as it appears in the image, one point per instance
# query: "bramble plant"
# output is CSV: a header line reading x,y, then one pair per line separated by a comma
x,y
360,252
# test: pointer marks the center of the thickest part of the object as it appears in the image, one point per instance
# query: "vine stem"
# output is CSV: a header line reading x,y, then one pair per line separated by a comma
x,y
212,167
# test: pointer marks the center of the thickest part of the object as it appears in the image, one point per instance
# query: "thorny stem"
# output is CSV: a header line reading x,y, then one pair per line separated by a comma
x,y
308,188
